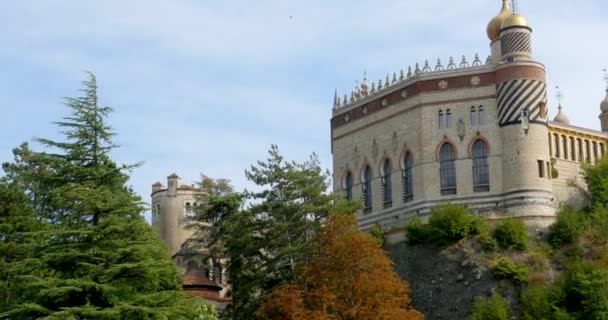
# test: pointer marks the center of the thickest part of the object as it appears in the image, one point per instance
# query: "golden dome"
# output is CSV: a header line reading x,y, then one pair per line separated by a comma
x,y
514,20
494,25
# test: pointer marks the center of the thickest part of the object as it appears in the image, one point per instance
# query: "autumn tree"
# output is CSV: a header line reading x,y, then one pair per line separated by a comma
x,y
349,278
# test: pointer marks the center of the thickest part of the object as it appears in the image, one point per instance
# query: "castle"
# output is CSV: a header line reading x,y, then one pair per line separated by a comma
x,y
476,134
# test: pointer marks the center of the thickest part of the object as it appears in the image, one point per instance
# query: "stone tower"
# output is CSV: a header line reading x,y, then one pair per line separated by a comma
x,y
170,207
522,118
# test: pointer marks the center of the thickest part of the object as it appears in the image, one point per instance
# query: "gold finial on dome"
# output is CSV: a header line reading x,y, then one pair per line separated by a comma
x,y
496,22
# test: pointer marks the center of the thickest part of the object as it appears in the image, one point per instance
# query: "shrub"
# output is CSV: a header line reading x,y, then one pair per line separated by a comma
x,y
416,231
536,304
511,234
568,227
599,225
378,234
450,223
585,291
504,268
493,308
486,240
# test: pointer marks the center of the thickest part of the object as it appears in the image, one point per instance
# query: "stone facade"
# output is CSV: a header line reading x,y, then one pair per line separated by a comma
x,y
493,115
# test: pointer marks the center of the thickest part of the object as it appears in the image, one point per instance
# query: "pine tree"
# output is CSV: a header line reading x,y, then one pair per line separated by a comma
x,y
101,260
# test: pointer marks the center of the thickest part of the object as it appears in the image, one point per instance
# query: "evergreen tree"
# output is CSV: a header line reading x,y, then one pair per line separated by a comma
x,y
100,259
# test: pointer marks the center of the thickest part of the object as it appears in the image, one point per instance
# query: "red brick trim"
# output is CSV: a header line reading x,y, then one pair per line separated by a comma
x,y
412,90
441,143
402,156
520,72
482,138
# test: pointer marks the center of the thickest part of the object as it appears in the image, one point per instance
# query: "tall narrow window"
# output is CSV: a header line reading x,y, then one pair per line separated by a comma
x,y
448,118
541,168
556,145
367,189
587,152
387,190
406,174
447,169
565,147
602,150
348,186
580,149
572,149
440,119
481,174
595,158
473,116
481,115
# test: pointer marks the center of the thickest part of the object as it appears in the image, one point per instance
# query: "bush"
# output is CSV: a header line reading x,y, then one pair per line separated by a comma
x,y
511,234
599,226
416,231
568,227
450,223
585,290
536,304
378,234
504,268
493,308
486,240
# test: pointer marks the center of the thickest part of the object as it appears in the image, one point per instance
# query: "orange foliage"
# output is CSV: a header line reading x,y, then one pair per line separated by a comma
x,y
350,278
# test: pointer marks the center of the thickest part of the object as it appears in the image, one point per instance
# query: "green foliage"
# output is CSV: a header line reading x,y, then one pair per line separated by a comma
x,y
492,308
416,231
378,234
585,290
450,223
265,243
554,171
511,234
95,257
486,240
568,227
537,304
596,177
504,268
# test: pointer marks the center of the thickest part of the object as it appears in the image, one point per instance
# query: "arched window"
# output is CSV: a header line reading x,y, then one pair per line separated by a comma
x,y
473,116
448,118
387,189
481,174
481,115
406,174
440,119
348,186
367,189
447,169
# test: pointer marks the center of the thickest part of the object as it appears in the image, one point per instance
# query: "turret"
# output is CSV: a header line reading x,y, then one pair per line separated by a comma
x,y
604,107
173,182
522,117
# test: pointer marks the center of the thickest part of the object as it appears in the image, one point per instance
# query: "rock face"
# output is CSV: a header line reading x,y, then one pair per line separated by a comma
x,y
444,283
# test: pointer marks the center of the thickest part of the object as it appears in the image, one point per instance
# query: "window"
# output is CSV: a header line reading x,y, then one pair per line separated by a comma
x,y
367,189
481,174
580,149
440,119
406,174
548,169
473,116
556,145
587,152
448,118
565,147
447,169
541,169
595,158
387,190
572,149
481,115
602,150
348,186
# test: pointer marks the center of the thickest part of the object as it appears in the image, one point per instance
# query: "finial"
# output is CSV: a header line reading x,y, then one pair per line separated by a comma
x,y
387,83
401,75
476,61
373,89
345,99
451,65
379,84
515,6
417,70
559,97
426,67
394,78
606,78
409,71
464,63
336,99
439,66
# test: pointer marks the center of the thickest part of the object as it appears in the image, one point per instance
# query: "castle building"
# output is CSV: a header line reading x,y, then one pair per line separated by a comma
x,y
170,207
475,134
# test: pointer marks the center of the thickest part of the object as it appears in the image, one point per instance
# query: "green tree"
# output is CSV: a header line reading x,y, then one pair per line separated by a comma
x,y
596,177
99,258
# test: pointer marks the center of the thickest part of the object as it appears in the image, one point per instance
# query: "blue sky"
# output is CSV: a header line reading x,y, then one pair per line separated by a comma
x,y
207,86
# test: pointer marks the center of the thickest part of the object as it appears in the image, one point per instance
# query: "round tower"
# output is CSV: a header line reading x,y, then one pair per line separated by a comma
x,y
170,207
522,117
604,108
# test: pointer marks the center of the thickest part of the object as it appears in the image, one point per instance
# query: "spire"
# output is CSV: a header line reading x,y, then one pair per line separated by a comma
x,y
604,104
336,103
561,116
606,78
